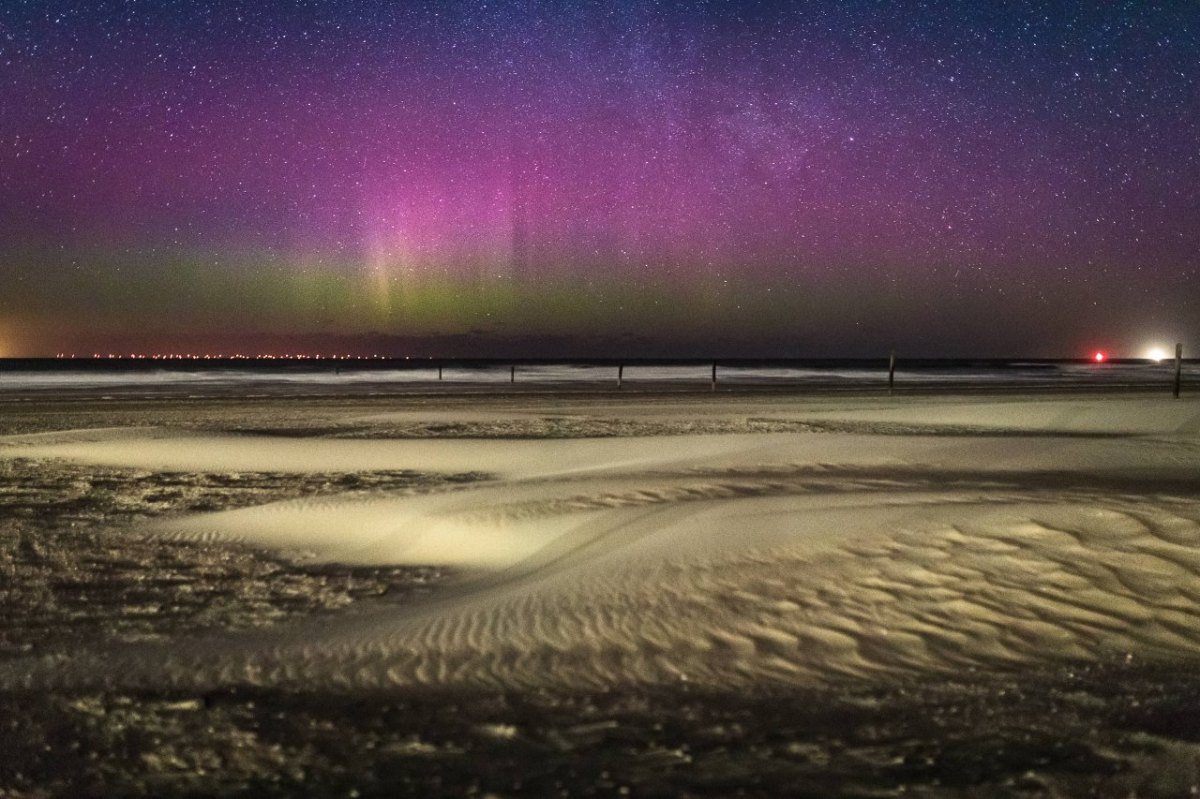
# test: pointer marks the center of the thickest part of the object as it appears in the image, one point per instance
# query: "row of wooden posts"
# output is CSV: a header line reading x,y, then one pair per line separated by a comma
x,y
512,372
1178,368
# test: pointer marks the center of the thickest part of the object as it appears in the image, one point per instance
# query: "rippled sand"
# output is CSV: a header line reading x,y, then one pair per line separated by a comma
x,y
934,537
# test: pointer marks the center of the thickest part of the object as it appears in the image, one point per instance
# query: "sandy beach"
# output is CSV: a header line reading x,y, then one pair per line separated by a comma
x,y
582,593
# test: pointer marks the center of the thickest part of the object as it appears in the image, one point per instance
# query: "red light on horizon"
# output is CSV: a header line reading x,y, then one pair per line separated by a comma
x,y
1100,357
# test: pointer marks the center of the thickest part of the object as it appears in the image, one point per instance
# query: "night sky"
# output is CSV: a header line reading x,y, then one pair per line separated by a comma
x,y
585,178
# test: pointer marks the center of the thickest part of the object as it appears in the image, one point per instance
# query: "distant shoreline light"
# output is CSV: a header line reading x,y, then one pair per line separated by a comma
x,y
220,356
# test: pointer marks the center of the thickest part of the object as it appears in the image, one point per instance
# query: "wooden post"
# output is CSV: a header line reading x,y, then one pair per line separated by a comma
x,y
892,373
714,376
620,374
439,373
512,374
1178,368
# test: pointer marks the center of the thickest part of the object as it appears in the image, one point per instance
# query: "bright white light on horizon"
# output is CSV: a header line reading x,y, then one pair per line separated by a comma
x,y
1156,354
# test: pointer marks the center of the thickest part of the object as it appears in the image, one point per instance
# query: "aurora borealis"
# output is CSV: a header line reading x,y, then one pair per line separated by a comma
x,y
563,178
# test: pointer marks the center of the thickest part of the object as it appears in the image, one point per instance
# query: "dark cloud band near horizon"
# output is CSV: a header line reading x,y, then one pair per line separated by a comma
x,y
781,179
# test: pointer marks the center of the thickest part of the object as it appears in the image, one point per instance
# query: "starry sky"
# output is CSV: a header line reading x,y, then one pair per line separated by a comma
x,y
542,178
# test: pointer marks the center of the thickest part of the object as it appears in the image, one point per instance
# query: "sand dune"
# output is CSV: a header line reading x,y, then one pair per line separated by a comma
x,y
803,558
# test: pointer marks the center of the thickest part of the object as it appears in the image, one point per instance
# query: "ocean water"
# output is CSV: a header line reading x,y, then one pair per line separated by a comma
x,y
120,375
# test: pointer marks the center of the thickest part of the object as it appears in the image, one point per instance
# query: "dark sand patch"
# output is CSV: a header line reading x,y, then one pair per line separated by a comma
x,y
1107,731
72,573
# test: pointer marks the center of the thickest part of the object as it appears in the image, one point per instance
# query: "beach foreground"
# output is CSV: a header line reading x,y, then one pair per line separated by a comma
x,y
584,595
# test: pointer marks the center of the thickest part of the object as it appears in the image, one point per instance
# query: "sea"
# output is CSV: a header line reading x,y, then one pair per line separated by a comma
x,y
153,377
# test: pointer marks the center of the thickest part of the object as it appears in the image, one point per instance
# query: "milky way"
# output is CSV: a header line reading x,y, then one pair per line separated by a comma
x,y
599,178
